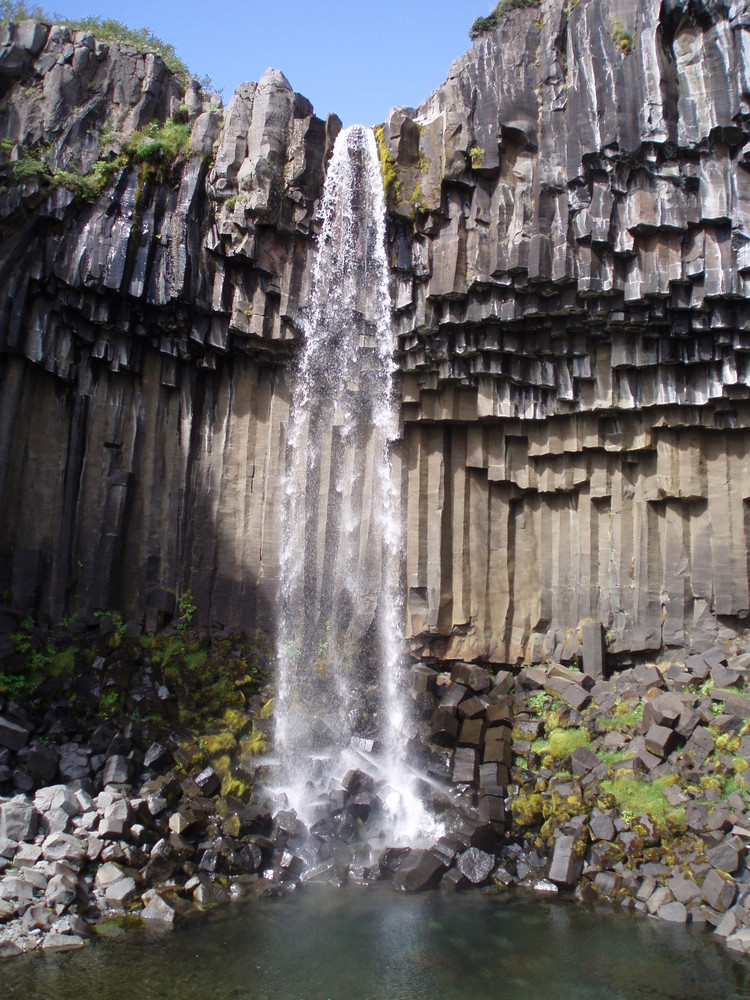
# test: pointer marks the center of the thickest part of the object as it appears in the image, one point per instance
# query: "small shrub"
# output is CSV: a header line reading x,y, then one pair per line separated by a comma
x,y
477,156
19,10
28,167
159,143
187,607
622,38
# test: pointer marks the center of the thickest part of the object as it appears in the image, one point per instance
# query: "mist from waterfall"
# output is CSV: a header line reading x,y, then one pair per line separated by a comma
x,y
339,661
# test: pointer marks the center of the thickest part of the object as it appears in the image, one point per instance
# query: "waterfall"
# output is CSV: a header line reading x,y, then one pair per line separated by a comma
x,y
340,692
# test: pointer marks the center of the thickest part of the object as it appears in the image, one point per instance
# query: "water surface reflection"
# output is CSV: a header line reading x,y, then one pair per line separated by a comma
x,y
378,945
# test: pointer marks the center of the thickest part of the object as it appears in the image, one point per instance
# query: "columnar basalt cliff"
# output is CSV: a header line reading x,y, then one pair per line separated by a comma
x,y
570,250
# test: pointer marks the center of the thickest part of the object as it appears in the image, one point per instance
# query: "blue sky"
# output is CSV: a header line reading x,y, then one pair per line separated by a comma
x,y
355,59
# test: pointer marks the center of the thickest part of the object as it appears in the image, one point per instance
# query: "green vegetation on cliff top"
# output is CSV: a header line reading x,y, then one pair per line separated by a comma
x,y
497,16
106,29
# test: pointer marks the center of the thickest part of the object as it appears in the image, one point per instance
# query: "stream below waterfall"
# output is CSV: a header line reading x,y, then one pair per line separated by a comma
x,y
378,945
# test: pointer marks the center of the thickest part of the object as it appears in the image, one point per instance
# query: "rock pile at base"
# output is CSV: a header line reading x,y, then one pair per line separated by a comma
x,y
632,788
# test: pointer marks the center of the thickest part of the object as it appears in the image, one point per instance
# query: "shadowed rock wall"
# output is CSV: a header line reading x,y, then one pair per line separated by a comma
x,y
570,240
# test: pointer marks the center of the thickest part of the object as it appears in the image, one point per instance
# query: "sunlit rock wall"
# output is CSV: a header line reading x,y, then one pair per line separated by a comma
x,y
570,244
571,276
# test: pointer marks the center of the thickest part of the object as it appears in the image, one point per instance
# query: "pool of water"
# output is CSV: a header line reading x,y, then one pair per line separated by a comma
x,y
380,945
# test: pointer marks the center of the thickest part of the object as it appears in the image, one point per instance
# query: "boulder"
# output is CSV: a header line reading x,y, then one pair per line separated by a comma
x,y
13,735
158,911
420,869
116,770
566,861
119,893
719,890
18,819
64,847
475,865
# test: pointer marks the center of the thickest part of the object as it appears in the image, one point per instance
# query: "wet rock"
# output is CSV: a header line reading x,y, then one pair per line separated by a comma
x,y
157,758
475,865
160,865
210,894
423,678
566,862
420,869
443,727
472,733
208,781
473,708
453,880
740,941
391,858
158,911
356,781
464,766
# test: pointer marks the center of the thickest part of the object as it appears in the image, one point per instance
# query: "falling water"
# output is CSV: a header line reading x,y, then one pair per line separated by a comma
x,y
338,644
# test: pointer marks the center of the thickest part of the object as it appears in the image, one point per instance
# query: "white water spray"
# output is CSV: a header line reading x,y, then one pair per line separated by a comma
x,y
340,665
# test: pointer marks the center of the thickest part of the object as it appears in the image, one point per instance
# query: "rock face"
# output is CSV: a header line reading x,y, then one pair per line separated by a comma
x,y
570,247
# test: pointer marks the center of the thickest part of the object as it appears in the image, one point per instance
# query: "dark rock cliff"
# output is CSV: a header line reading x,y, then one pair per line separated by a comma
x,y
570,236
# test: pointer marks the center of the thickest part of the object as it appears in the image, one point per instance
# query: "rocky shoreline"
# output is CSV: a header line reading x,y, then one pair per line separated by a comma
x,y
131,782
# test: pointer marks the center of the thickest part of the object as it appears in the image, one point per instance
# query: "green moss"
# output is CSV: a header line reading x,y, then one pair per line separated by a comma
x,y
635,797
624,717
196,660
561,743
64,662
613,756
391,183
255,744
527,809
235,787
216,744
267,711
